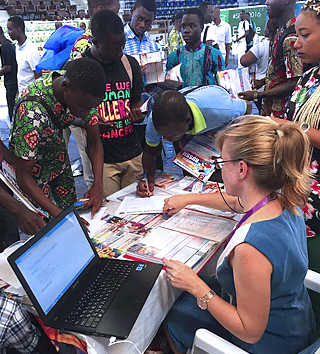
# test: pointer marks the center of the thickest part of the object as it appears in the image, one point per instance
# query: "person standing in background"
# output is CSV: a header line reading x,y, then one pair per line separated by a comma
x,y
9,71
175,39
82,44
252,31
27,53
207,10
142,16
285,66
243,32
220,33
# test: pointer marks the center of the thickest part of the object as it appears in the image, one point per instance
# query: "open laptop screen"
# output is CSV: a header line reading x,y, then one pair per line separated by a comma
x,y
53,263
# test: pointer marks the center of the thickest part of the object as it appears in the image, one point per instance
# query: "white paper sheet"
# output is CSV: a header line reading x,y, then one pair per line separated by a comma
x,y
131,205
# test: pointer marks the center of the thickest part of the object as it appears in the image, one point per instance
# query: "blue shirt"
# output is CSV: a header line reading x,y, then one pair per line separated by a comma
x,y
212,108
192,64
135,46
291,324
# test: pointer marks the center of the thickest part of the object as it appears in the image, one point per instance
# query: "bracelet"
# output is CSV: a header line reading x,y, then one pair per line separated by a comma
x,y
305,126
255,95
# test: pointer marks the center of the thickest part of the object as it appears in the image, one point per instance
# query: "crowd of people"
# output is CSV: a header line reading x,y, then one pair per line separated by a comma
x,y
269,163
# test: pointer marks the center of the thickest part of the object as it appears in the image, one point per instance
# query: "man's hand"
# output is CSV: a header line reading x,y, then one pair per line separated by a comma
x,y
106,127
247,95
95,196
142,189
135,115
29,222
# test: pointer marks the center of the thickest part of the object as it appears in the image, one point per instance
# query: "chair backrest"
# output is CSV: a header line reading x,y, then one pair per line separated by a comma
x,y
208,342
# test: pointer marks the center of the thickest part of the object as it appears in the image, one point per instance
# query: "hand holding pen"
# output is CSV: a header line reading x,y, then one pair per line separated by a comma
x,y
145,187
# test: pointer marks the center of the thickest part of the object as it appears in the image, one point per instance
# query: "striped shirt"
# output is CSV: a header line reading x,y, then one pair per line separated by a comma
x,y
135,46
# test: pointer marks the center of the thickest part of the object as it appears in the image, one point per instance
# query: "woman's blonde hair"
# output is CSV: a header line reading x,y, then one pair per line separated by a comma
x,y
278,155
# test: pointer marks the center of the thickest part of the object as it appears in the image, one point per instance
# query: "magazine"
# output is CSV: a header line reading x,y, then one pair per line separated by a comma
x,y
172,245
153,71
235,80
197,157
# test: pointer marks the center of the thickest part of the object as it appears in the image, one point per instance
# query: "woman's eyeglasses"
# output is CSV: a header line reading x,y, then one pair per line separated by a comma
x,y
219,162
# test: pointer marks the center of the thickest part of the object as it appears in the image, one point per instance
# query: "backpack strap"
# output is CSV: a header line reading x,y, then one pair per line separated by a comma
x,y
205,34
205,69
126,63
284,34
54,119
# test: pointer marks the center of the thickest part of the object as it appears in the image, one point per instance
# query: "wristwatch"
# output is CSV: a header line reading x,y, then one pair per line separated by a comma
x,y
203,301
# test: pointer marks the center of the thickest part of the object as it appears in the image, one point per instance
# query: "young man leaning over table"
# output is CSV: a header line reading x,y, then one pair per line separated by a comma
x,y
48,105
192,110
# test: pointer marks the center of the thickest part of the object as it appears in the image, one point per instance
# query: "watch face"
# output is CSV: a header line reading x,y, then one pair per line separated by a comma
x,y
202,304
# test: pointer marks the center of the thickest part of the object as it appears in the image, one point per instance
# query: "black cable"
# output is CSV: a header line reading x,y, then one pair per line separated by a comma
x,y
226,201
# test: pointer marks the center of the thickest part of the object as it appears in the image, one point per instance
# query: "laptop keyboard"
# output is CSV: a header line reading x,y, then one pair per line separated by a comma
x,y
94,303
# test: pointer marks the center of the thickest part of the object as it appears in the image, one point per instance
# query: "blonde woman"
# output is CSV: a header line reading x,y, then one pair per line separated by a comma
x,y
258,301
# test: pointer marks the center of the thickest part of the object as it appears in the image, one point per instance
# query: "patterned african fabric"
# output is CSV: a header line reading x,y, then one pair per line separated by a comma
x,y
82,44
175,40
192,64
280,69
300,96
35,137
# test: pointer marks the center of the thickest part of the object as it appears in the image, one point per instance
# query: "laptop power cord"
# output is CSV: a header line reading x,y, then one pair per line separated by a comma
x,y
112,341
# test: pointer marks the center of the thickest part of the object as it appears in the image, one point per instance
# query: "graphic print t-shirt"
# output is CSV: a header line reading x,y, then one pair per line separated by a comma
x,y
120,143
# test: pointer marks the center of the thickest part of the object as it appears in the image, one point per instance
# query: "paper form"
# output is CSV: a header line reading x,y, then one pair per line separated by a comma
x,y
197,224
132,205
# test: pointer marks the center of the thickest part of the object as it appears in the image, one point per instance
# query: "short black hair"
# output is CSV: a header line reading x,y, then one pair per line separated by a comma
x,y
203,6
178,15
248,13
87,75
170,107
96,3
105,21
242,11
196,11
17,22
149,5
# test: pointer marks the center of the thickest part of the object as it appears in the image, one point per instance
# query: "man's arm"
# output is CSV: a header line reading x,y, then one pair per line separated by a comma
x,y
5,69
95,193
31,188
227,54
149,158
248,59
280,91
28,221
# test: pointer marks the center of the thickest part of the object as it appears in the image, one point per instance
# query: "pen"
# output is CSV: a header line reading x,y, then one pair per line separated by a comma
x,y
145,175
83,200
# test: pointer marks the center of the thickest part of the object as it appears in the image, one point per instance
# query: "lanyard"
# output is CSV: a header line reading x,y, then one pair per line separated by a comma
x,y
255,208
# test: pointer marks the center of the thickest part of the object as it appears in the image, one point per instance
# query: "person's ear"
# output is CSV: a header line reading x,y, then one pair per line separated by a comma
x,y
189,119
65,85
243,170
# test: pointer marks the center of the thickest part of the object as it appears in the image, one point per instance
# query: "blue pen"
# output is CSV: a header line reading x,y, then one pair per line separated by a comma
x,y
149,194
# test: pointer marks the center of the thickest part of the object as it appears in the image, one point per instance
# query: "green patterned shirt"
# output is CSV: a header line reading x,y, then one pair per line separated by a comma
x,y
35,137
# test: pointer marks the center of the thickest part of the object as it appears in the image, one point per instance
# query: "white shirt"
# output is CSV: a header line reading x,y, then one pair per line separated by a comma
x,y
261,52
220,34
28,57
209,24
242,28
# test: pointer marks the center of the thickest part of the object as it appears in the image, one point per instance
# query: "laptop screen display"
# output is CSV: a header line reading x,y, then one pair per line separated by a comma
x,y
53,263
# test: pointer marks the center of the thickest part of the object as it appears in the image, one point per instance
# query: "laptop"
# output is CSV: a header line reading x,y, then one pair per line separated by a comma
x,y
73,289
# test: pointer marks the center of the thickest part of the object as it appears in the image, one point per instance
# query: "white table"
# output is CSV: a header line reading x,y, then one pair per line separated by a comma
x,y
154,311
